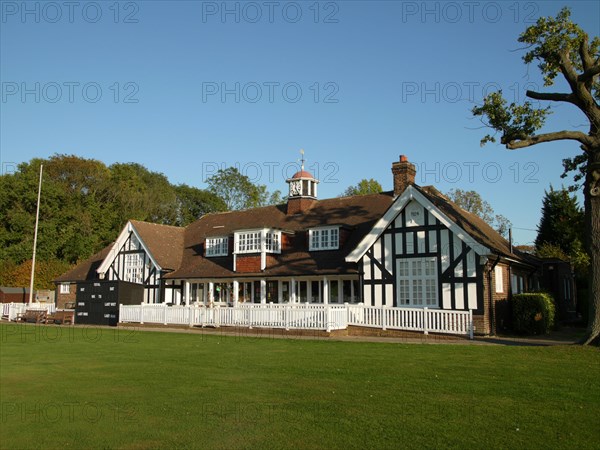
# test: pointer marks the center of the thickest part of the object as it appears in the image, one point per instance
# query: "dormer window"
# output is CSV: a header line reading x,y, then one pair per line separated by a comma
x,y
325,238
273,241
217,246
256,240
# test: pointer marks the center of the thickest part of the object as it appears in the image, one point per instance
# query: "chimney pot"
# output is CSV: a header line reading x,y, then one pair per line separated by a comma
x,y
403,158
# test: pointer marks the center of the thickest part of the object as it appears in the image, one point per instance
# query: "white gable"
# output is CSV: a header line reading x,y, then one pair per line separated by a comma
x,y
114,251
412,196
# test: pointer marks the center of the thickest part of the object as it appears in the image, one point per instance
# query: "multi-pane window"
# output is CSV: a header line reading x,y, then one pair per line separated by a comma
x,y
65,288
417,282
134,268
217,246
248,242
272,241
324,238
251,241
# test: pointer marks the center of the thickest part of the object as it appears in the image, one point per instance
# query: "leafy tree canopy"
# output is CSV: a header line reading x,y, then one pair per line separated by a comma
x,y
238,192
85,204
472,202
561,229
364,187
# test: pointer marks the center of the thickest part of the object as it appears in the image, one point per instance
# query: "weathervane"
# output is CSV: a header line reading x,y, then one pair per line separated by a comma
x,y
302,158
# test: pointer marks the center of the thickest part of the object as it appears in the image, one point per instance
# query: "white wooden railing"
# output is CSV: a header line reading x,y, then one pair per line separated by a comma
x,y
289,316
11,310
304,316
412,319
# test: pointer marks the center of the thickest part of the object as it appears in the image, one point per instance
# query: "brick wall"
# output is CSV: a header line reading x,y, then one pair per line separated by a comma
x,y
63,299
247,263
298,204
500,301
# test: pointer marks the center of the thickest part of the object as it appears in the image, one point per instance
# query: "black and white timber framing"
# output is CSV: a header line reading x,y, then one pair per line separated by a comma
x,y
414,231
129,260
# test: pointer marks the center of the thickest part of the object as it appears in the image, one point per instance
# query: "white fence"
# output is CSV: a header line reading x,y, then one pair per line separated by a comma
x,y
291,316
304,316
11,310
412,319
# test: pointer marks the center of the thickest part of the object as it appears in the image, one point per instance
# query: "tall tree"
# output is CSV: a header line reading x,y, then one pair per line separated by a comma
x,y
83,207
238,192
562,221
140,194
560,47
471,201
193,203
363,187
73,222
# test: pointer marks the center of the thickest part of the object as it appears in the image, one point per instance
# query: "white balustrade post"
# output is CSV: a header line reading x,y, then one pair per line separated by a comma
x,y
327,325
190,311
142,313
383,321
347,314
285,317
165,308
426,320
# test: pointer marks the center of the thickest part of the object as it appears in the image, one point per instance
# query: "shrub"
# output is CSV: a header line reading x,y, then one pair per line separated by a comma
x,y
533,313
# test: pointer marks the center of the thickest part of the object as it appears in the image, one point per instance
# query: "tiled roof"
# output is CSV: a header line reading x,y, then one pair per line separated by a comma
x,y
165,242
181,249
358,214
474,225
87,269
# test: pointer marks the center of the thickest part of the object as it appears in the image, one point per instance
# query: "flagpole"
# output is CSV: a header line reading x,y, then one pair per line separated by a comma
x,y
37,219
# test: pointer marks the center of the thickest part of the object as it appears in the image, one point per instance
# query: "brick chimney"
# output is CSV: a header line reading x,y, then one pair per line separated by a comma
x,y
404,175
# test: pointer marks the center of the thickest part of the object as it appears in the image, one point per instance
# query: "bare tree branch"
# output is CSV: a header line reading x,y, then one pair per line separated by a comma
x,y
586,140
568,70
551,96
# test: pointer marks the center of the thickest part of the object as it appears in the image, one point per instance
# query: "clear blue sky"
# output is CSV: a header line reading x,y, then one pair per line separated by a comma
x,y
185,87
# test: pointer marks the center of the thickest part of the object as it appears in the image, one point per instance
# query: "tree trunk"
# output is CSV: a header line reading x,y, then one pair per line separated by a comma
x,y
592,219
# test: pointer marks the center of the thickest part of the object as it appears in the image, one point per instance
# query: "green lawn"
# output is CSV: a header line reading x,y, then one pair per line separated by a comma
x,y
82,387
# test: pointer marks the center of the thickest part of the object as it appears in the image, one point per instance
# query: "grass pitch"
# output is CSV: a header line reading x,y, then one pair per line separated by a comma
x,y
86,387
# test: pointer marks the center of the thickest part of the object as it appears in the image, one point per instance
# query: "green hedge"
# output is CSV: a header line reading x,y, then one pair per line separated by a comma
x,y
533,313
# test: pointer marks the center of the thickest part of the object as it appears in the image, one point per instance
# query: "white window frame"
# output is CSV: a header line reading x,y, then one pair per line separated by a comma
x,y
417,286
134,268
499,279
65,288
257,241
272,241
323,238
217,246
